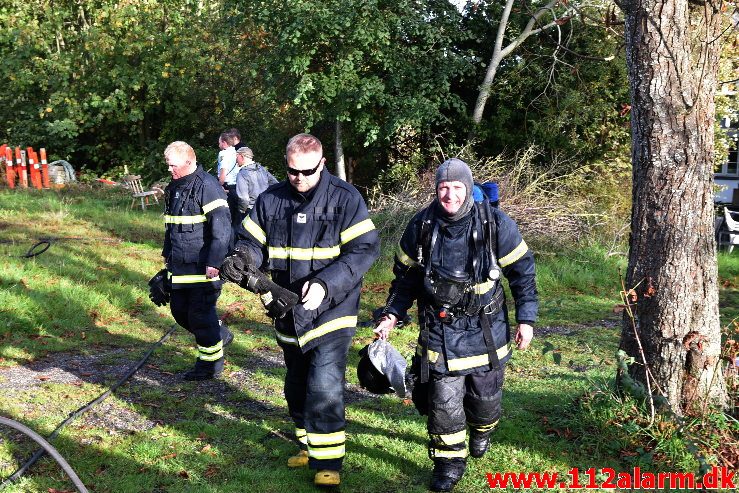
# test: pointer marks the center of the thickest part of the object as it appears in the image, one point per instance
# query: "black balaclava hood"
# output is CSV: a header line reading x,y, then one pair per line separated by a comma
x,y
455,170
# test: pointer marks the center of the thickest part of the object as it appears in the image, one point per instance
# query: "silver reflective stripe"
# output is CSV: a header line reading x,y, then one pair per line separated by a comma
x,y
286,339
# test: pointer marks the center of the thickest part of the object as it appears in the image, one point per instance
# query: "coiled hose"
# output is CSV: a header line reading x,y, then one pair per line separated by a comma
x,y
39,453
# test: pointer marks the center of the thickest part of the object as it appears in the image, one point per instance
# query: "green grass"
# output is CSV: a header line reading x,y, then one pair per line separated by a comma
x,y
89,297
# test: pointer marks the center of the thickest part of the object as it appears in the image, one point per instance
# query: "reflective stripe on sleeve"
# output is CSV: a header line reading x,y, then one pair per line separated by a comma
x,y
215,204
185,219
358,229
405,259
253,228
515,254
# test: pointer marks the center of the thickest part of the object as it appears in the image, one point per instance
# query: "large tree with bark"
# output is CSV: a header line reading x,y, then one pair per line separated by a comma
x,y
672,54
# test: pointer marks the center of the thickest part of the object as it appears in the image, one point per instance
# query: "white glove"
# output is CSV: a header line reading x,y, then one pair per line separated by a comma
x,y
313,294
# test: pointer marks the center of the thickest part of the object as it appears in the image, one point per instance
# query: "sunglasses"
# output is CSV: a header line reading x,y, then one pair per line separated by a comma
x,y
304,172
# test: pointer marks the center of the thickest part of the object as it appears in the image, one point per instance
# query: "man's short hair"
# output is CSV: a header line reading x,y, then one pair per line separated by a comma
x,y
181,149
234,133
227,138
302,144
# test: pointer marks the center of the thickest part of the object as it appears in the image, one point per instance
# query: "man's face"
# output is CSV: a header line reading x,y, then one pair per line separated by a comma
x,y
239,159
179,166
222,144
309,162
452,195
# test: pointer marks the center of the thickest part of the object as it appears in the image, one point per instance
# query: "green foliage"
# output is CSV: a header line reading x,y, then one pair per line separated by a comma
x,y
379,67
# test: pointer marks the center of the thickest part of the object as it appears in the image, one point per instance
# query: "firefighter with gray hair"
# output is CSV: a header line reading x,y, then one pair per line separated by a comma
x,y
196,235
451,260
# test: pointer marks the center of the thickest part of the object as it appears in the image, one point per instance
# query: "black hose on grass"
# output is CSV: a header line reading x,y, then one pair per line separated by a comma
x,y
48,448
43,244
39,453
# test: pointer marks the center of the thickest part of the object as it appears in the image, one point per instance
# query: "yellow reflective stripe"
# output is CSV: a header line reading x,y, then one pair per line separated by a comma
x,y
193,278
452,438
211,357
358,229
185,219
484,287
449,454
327,452
474,361
214,205
405,259
304,253
483,428
254,229
286,339
327,438
211,349
321,330
516,254
433,356
301,435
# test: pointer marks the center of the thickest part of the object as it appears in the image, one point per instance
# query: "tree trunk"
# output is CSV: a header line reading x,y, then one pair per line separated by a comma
x,y
339,149
672,52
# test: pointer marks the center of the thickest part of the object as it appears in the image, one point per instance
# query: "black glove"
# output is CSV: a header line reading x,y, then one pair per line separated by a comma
x,y
159,288
240,269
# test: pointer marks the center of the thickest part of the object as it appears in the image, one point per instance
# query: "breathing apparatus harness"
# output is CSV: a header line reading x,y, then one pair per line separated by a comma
x,y
452,293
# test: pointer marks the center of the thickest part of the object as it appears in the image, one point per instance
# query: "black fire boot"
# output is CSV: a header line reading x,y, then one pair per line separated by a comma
x,y
446,474
226,335
479,443
204,370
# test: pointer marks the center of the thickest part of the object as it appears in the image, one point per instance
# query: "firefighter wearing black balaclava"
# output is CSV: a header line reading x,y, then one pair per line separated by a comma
x,y
450,259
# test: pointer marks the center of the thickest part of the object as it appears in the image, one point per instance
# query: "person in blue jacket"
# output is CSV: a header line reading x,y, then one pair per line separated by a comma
x,y
314,235
197,232
450,260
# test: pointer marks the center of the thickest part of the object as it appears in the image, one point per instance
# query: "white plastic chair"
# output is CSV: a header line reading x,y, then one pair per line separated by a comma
x,y
730,236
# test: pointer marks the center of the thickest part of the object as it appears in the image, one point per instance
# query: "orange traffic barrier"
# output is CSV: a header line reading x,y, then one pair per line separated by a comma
x,y
20,164
7,154
44,169
32,169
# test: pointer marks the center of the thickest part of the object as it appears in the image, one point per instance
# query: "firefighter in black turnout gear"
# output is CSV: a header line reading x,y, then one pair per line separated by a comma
x,y
450,259
197,231
313,233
